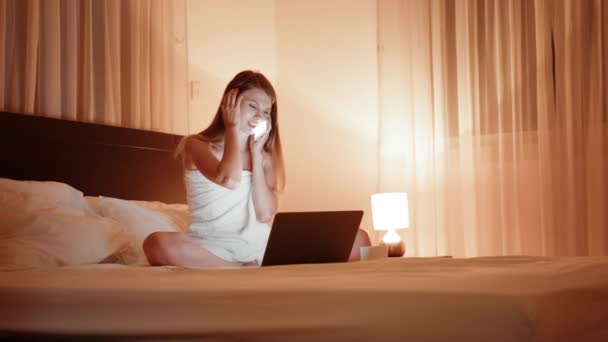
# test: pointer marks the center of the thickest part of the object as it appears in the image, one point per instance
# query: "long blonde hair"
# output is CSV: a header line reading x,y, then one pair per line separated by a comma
x,y
214,133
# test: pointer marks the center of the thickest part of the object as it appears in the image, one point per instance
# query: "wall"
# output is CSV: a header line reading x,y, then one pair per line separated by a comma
x,y
327,76
225,37
321,56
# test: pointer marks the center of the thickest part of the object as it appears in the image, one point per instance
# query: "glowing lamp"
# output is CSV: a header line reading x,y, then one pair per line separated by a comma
x,y
390,212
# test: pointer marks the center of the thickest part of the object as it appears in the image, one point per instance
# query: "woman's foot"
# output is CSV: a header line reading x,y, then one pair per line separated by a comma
x,y
177,249
361,240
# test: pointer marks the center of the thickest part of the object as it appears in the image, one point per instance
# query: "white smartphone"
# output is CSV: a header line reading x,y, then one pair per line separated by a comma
x,y
259,130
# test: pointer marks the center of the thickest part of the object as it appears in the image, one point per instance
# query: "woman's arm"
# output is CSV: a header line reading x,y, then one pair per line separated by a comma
x,y
265,198
227,171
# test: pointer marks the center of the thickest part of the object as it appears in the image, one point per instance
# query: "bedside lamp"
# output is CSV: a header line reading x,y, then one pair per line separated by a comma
x,y
390,212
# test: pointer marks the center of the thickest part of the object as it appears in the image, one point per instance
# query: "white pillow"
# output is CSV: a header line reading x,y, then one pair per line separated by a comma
x,y
54,193
142,218
53,229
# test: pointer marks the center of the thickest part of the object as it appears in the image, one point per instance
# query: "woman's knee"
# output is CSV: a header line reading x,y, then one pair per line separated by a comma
x,y
157,247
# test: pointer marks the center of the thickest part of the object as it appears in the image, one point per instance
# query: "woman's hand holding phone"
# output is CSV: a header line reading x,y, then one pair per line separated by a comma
x,y
256,144
260,130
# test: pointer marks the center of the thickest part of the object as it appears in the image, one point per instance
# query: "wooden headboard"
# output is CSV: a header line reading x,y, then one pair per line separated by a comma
x,y
95,159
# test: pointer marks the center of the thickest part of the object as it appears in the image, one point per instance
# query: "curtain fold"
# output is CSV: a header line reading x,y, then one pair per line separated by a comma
x,y
106,61
493,117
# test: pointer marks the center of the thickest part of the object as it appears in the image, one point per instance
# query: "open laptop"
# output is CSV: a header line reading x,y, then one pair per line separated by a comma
x,y
312,237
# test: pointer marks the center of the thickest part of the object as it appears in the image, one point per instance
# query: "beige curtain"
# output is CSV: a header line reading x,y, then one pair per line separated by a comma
x,y
494,118
116,62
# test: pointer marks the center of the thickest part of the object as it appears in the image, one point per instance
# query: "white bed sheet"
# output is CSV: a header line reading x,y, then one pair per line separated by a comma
x,y
410,299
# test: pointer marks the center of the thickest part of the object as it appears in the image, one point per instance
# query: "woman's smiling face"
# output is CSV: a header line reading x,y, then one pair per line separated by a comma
x,y
256,106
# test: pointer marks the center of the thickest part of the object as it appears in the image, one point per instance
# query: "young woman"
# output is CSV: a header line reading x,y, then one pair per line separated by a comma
x,y
232,181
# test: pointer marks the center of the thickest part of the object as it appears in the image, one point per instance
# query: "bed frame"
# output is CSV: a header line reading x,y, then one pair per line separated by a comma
x,y
95,159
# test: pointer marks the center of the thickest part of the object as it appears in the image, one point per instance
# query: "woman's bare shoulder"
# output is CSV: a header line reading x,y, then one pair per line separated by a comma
x,y
196,145
195,140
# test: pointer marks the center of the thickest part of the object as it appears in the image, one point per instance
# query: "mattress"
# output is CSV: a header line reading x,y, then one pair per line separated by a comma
x,y
397,299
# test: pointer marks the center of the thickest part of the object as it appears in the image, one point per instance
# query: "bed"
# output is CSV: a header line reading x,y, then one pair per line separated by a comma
x,y
86,183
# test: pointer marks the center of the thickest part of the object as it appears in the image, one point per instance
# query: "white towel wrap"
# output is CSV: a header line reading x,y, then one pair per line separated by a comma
x,y
223,220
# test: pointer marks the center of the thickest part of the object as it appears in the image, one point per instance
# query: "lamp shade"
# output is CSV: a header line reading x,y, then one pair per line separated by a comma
x,y
390,211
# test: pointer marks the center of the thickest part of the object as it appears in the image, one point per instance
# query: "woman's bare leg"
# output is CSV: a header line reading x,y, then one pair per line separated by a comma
x,y
177,249
361,240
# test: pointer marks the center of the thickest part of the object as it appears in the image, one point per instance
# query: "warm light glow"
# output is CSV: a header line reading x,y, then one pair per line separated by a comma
x,y
391,237
390,211
259,130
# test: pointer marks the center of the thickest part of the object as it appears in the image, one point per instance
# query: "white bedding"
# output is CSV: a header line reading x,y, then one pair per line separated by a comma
x,y
45,224
418,299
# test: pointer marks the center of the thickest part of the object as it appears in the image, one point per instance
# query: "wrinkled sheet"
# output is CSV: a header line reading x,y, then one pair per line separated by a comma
x,y
397,299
